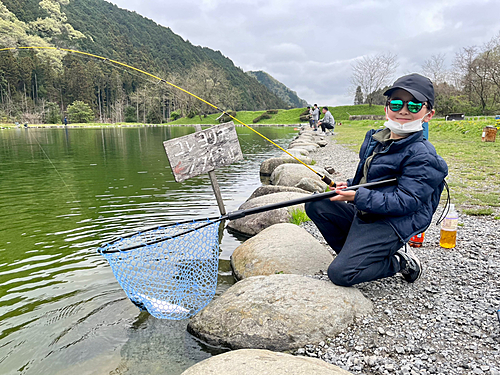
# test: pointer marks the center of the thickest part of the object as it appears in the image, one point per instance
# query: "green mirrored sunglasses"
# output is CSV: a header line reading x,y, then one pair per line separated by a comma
x,y
396,105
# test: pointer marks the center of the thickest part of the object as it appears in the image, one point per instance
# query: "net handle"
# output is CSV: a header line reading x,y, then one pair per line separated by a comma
x,y
314,197
242,213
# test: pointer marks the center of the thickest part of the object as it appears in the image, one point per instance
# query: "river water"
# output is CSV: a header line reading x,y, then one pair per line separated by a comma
x,y
63,192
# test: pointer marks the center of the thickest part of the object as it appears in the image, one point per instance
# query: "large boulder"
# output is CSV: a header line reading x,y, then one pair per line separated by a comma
x,y
278,312
297,152
268,166
311,185
262,362
307,131
272,189
304,138
304,146
253,224
305,142
281,248
291,174
322,142
304,158
308,140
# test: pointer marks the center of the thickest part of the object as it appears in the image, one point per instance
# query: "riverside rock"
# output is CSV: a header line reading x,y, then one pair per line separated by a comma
x,y
281,248
278,312
305,146
262,362
268,166
297,152
311,185
253,224
271,189
305,142
291,174
322,142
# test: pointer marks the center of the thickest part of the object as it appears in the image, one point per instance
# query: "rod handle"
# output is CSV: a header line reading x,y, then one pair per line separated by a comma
x,y
328,181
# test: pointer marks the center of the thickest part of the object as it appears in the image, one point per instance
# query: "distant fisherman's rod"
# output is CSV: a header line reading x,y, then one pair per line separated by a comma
x,y
325,178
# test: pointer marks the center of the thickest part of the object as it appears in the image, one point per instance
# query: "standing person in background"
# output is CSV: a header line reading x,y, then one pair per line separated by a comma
x,y
65,121
328,122
315,116
369,228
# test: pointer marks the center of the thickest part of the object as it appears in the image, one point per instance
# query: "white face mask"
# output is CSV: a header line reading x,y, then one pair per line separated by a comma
x,y
406,128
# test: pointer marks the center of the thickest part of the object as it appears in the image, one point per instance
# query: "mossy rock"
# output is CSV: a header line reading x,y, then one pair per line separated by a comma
x,y
225,118
263,116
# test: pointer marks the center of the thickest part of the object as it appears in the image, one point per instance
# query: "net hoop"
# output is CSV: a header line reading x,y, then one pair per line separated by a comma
x,y
170,271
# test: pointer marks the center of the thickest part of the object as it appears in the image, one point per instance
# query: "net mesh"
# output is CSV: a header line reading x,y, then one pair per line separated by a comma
x,y
171,279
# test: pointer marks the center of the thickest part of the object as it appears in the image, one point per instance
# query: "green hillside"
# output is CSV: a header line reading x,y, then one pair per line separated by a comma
x,y
127,36
29,78
279,89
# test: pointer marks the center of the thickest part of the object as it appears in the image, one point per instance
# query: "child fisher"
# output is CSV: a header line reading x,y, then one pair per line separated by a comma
x,y
369,228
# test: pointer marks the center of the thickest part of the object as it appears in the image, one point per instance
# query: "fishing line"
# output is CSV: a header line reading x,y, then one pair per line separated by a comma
x,y
53,165
325,178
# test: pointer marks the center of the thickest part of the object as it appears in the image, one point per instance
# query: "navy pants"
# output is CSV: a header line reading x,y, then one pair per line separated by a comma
x,y
326,125
365,249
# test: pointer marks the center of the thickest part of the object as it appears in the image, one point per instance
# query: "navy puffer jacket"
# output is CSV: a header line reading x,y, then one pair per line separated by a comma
x,y
409,205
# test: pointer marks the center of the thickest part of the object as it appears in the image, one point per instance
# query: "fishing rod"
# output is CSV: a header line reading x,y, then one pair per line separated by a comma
x,y
324,178
238,214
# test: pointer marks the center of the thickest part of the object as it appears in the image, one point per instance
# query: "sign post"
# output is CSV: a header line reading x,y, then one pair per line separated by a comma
x,y
203,151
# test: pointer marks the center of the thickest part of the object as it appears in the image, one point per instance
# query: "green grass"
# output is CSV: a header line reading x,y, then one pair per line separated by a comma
x,y
490,199
298,216
283,117
478,211
474,166
287,116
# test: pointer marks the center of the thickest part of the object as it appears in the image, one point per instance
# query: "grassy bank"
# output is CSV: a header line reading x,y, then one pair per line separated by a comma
x,y
283,117
287,116
474,166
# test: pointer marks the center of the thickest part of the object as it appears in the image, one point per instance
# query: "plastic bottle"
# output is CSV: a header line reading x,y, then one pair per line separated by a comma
x,y
449,226
417,240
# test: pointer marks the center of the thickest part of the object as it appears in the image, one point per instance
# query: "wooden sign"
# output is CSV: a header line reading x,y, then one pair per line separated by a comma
x,y
203,151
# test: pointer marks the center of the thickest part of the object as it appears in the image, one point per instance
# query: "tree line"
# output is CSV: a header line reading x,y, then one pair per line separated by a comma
x,y
31,90
471,85
39,85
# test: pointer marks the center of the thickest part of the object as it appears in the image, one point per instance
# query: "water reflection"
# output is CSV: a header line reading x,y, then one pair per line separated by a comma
x,y
62,193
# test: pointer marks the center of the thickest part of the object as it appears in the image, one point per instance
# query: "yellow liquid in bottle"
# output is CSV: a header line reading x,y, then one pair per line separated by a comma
x,y
448,239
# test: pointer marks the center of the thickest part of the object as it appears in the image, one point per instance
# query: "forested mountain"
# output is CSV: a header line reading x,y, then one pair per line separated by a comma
x,y
38,85
279,89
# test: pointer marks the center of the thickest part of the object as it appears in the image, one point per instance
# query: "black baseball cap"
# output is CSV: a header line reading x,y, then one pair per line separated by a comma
x,y
419,86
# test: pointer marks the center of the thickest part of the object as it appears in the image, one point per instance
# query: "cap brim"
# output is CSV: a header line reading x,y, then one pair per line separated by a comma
x,y
417,95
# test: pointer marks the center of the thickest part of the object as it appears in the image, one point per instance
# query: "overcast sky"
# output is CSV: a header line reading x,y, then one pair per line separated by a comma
x,y
311,46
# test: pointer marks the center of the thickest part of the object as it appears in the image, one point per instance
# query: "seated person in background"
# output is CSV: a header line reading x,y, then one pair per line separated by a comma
x,y
369,228
328,122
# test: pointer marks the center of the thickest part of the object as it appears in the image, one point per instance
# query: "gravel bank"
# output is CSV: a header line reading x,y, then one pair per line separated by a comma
x,y
445,323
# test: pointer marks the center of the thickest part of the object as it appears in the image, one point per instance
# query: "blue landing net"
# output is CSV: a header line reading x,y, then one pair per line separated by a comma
x,y
169,273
